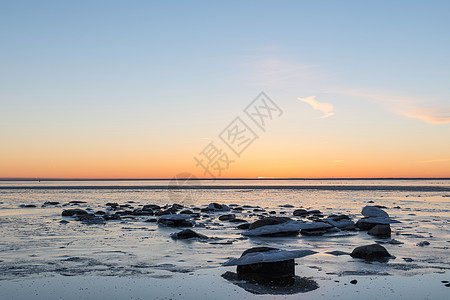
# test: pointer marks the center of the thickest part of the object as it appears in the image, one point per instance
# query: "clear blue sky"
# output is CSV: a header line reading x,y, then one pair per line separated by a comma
x,y
90,77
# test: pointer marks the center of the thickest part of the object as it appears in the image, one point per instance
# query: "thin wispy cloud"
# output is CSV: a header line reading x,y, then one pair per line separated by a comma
x,y
414,108
326,108
434,115
279,72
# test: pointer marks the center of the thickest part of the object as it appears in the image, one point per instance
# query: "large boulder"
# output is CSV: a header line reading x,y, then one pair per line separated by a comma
x,y
370,252
267,265
374,211
380,230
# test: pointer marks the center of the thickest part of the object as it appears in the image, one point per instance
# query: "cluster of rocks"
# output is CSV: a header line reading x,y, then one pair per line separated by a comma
x,y
264,265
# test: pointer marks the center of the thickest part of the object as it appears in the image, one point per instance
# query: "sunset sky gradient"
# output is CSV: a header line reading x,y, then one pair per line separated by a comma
x,y
117,89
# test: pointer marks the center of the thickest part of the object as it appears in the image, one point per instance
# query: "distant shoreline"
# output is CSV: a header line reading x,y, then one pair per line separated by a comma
x,y
243,187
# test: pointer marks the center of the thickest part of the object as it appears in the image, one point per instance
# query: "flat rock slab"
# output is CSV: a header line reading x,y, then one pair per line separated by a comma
x,y
268,256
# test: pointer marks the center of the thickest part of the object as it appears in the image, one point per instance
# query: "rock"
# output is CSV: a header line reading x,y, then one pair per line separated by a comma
x,y
177,206
354,281
164,212
237,220
46,203
365,224
77,202
313,232
63,221
186,212
112,217
176,220
342,222
151,207
227,217
187,234
315,228
112,204
238,209
243,226
286,205
374,211
206,209
424,243
73,212
380,230
337,253
269,221
390,241
90,219
218,207
300,212
267,265
338,217
370,252
151,220
408,259
380,206
273,226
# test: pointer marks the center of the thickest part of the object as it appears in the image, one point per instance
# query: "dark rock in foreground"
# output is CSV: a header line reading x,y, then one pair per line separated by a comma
x,y
370,252
267,266
279,273
380,230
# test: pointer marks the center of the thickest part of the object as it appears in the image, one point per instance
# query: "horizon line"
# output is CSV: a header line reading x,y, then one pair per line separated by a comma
x,y
233,178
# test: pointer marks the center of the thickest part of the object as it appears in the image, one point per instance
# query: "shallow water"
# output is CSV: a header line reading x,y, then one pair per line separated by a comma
x,y
34,244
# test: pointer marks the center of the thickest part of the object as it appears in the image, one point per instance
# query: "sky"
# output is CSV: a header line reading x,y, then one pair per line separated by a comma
x,y
152,89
